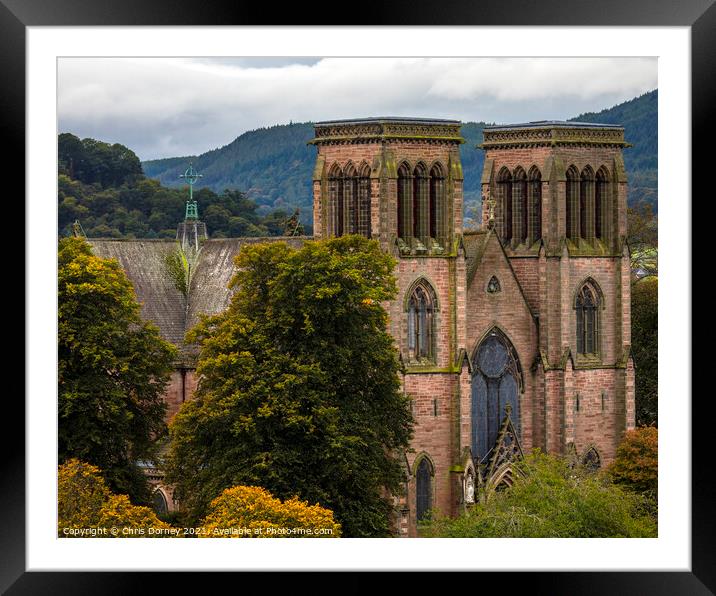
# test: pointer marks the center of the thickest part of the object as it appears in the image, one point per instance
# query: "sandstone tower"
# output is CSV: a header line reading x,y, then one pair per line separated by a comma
x,y
520,328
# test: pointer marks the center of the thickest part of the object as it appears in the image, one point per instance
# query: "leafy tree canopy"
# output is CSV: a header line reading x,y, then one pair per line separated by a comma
x,y
299,388
254,509
113,368
636,463
85,502
550,499
103,187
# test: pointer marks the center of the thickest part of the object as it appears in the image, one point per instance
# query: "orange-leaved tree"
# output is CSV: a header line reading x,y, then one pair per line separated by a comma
x,y
253,512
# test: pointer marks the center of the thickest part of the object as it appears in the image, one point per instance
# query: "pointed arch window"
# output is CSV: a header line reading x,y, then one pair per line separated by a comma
x,y
420,203
587,307
421,316
350,199
496,382
572,204
404,202
601,193
534,201
159,503
436,209
519,199
335,201
364,227
591,460
423,488
504,194
586,204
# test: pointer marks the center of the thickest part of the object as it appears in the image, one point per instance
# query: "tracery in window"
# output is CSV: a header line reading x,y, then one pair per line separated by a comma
x,y
587,310
421,316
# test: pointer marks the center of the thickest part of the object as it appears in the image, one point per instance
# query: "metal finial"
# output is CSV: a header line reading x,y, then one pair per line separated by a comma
x,y
191,176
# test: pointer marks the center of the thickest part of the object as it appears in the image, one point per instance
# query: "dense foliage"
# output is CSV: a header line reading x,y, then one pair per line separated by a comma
x,y
112,370
84,502
274,165
300,391
636,463
645,348
103,187
550,499
252,512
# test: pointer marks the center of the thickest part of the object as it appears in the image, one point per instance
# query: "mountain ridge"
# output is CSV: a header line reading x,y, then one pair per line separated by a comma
x,y
274,165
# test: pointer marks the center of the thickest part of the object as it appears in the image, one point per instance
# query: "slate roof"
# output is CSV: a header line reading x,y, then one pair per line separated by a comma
x,y
474,243
161,302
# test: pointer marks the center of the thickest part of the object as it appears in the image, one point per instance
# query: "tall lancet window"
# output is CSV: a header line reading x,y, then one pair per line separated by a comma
x,y
504,194
350,199
420,203
364,201
421,315
519,198
423,488
572,204
534,189
587,307
601,193
437,204
586,204
335,201
405,202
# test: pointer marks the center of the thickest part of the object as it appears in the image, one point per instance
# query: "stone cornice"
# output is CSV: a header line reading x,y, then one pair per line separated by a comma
x,y
554,136
372,131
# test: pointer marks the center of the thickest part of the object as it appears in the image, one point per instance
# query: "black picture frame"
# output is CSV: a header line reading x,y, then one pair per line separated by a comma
x,y
17,15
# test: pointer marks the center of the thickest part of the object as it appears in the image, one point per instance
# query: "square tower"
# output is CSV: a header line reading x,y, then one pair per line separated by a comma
x,y
556,195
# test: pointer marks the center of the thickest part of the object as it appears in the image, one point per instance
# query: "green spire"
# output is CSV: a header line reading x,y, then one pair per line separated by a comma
x,y
191,176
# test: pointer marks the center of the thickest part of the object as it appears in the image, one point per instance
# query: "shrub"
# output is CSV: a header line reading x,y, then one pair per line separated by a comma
x,y
636,462
85,502
551,500
252,512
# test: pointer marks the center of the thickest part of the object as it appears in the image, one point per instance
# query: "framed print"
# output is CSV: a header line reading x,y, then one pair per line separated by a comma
x,y
40,41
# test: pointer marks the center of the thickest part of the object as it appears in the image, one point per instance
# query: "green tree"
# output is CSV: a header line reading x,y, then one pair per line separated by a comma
x,y
645,344
113,368
550,499
299,388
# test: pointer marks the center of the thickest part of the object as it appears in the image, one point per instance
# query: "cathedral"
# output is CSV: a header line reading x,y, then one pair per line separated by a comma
x,y
512,336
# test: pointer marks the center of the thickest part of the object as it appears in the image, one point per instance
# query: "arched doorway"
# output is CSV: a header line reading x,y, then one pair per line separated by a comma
x,y
496,382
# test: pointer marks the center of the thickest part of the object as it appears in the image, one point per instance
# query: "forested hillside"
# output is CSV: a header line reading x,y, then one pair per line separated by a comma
x,y
103,187
273,166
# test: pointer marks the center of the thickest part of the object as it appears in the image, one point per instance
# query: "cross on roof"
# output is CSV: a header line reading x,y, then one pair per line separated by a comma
x,y
191,176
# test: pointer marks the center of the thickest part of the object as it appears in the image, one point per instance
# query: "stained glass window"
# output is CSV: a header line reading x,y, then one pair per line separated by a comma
x,y
495,384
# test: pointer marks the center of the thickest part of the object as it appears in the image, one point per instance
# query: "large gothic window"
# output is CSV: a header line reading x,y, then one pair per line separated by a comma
x,y
495,384
504,194
587,307
423,488
535,205
421,314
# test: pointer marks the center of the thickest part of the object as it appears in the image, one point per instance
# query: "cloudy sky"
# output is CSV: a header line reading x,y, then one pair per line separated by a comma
x,y
169,107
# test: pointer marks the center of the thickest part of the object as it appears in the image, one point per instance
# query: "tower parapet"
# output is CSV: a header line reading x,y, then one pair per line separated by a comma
x,y
395,179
